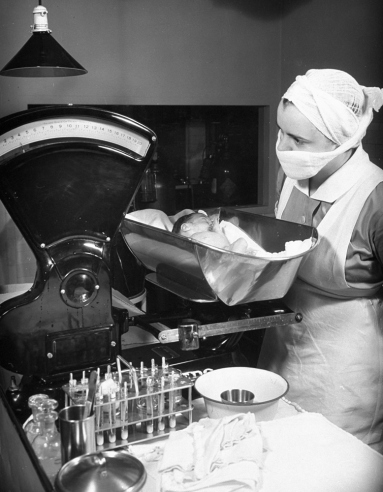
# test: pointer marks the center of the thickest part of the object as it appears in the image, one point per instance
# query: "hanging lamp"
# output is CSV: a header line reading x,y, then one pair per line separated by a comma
x,y
42,55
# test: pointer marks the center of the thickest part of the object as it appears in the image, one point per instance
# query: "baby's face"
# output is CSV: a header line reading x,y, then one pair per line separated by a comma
x,y
196,223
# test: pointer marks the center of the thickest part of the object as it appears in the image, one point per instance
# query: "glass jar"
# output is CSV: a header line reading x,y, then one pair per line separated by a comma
x,y
47,444
31,427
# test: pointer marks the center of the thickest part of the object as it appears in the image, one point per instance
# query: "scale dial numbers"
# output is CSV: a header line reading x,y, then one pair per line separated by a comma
x,y
80,128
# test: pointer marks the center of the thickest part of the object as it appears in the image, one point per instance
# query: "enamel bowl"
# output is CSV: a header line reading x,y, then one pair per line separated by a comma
x,y
268,388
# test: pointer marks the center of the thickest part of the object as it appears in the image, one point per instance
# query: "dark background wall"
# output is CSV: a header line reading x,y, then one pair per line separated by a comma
x,y
343,34
151,52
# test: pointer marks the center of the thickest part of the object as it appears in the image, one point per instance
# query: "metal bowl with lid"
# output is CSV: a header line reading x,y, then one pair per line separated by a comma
x,y
111,470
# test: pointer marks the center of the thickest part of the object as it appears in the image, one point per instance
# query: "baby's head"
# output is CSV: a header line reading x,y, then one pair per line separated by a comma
x,y
201,228
187,225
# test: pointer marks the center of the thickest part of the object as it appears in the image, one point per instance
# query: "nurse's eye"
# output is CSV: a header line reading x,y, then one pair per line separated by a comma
x,y
297,140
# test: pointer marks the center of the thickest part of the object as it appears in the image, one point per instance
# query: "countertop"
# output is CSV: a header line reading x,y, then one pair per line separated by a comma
x,y
303,452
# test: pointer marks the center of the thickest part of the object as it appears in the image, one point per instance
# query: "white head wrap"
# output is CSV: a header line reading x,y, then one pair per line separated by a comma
x,y
335,104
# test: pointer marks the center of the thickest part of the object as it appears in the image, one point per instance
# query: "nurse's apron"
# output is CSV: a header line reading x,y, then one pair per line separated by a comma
x,y
333,359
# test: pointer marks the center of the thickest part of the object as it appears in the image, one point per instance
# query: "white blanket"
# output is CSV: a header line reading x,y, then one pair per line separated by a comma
x,y
301,453
232,232
157,218
222,455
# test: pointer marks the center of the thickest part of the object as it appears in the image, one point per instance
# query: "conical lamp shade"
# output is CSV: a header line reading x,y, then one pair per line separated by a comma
x,y
42,56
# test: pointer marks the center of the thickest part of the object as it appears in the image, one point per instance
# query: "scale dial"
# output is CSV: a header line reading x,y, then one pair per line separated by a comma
x,y
71,171
69,128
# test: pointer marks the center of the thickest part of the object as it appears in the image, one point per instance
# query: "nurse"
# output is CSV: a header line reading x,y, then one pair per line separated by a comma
x,y
333,359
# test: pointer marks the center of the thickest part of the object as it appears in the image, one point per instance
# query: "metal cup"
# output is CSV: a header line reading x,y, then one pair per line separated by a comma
x,y
237,396
77,433
188,334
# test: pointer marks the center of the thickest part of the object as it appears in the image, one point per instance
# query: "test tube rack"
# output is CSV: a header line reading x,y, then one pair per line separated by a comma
x,y
134,412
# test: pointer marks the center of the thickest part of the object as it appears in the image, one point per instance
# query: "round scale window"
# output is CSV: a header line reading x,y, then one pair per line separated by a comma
x,y
79,288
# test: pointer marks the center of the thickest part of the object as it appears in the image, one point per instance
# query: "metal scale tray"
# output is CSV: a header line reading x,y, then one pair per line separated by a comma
x,y
204,273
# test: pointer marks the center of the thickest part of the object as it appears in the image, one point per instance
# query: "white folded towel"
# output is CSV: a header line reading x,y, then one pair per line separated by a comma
x,y
223,455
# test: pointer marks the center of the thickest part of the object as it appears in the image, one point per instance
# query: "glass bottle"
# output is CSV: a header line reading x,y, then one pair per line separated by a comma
x,y
148,188
17,398
47,445
32,426
158,187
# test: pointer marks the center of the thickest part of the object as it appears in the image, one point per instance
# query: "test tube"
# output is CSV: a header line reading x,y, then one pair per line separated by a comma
x,y
119,370
161,405
124,414
99,418
117,389
172,417
135,380
149,405
72,389
131,376
142,370
84,387
112,415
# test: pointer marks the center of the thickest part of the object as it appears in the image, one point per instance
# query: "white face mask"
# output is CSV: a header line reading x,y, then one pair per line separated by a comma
x,y
304,165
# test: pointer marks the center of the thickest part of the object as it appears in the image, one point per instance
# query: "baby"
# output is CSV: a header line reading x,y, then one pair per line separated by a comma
x,y
205,229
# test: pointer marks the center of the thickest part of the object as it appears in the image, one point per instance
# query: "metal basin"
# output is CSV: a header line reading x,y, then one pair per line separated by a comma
x,y
205,274
267,387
